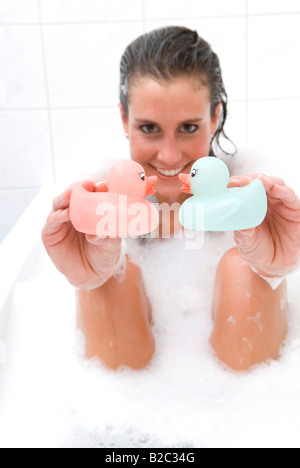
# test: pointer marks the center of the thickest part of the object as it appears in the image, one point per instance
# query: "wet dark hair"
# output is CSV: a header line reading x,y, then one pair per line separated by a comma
x,y
170,53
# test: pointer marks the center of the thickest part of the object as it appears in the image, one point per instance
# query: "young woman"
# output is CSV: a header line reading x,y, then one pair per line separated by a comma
x,y
173,107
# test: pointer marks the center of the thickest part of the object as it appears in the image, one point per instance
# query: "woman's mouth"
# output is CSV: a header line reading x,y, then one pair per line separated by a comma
x,y
169,174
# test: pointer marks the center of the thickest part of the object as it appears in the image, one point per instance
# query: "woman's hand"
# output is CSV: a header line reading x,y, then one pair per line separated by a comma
x,y
273,248
86,261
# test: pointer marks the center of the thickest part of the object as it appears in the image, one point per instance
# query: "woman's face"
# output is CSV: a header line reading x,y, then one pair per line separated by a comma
x,y
169,126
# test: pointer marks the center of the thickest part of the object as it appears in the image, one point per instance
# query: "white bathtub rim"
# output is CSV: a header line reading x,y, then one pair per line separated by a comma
x,y
18,245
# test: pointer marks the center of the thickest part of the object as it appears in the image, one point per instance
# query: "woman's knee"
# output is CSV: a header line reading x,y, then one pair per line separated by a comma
x,y
249,318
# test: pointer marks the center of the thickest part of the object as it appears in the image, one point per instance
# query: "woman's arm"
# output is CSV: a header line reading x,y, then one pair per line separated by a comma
x,y
273,248
86,261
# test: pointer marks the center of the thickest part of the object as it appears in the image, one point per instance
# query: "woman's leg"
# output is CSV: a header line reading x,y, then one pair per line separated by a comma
x,y
116,321
250,320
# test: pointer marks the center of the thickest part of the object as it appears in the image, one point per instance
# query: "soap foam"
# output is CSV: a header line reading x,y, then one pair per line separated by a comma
x,y
53,397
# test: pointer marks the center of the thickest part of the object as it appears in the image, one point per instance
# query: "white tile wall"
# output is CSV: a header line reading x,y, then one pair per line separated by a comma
x,y
19,11
273,55
69,11
157,9
59,63
83,62
25,149
273,6
21,65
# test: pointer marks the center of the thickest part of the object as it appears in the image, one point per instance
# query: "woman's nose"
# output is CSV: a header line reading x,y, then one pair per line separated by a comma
x,y
169,153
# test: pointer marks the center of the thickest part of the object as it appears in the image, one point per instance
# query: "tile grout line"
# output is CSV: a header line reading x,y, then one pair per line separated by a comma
x,y
65,23
57,108
47,93
87,107
21,189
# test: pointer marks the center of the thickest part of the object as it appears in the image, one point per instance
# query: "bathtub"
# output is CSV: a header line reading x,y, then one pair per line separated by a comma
x,y
50,396
22,260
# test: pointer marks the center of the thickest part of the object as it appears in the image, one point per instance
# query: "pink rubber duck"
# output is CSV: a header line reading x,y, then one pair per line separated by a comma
x,y
120,210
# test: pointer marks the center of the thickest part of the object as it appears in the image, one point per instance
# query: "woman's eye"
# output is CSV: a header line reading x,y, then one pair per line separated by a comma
x,y
189,128
148,129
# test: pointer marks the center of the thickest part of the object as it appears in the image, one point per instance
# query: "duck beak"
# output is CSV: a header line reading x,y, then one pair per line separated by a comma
x,y
151,181
186,180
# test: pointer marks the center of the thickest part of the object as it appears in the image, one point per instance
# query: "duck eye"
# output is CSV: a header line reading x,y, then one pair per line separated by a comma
x,y
193,173
143,177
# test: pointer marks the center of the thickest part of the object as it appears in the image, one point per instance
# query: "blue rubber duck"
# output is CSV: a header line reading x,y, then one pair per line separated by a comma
x,y
214,207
